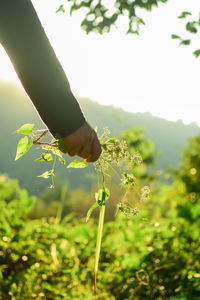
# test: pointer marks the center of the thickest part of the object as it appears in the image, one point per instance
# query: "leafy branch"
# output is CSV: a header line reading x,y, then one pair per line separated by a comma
x,y
101,16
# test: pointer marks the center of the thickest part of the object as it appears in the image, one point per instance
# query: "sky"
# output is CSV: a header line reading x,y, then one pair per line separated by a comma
x,y
145,73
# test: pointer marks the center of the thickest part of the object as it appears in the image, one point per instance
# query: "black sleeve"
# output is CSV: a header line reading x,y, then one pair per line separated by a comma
x,y
38,68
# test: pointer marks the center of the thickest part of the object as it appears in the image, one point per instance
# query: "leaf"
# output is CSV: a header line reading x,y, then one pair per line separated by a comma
x,y
185,42
25,129
45,157
47,174
60,9
57,152
101,196
184,14
190,26
61,160
197,53
91,210
111,140
23,146
60,143
174,36
78,163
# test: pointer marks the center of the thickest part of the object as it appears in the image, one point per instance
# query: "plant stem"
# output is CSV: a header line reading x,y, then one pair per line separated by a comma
x,y
35,142
52,179
98,244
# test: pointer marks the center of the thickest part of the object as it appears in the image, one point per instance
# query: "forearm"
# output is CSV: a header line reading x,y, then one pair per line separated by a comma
x,y
39,70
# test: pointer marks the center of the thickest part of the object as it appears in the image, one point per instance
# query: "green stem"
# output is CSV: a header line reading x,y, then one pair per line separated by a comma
x,y
98,181
98,243
103,178
52,179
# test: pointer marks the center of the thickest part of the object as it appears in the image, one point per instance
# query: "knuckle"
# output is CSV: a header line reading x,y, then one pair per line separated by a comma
x,y
71,153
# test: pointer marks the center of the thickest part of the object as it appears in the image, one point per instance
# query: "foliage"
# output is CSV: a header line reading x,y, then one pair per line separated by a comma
x,y
192,27
189,175
101,16
151,256
154,255
141,148
114,155
189,172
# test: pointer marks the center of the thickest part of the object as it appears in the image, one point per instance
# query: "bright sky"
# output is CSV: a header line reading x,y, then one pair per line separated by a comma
x,y
138,73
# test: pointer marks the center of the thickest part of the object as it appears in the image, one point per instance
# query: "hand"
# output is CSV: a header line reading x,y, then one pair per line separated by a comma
x,y
84,143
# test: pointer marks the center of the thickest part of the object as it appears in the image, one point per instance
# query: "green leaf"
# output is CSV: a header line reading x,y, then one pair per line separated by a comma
x,y
174,36
47,174
60,143
45,157
101,196
91,210
23,146
57,152
111,140
25,129
60,9
184,14
197,53
61,160
78,163
185,42
190,26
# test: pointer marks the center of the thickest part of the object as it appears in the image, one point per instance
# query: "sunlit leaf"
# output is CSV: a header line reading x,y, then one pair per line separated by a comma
x,y
61,160
47,174
174,36
45,157
197,53
60,143
78,163
91,210
60,9
23,146
25,129
111,140
57,152
101,196
184,14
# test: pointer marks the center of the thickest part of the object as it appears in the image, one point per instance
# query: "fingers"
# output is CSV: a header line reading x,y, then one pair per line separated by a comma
x,y
84,143
95,151
86,150
72,152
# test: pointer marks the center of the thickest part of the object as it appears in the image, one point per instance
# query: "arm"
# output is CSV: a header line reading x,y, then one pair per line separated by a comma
x,y
36,64
41,74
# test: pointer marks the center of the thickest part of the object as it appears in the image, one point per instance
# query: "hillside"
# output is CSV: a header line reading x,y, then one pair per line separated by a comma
x,y
15,109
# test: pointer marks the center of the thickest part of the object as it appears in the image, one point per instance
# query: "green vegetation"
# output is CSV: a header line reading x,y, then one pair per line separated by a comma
x,y
168,137
115,155
101,16
153,254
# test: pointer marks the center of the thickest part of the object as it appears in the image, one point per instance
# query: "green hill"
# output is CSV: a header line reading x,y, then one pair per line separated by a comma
x,y
15,109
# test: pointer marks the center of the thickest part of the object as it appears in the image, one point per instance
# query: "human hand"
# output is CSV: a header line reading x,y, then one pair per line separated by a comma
x,y
84,143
